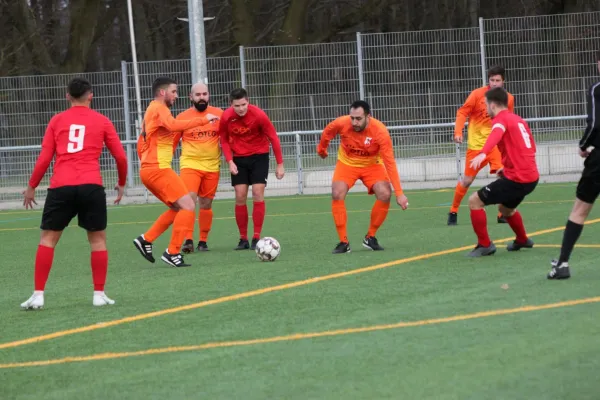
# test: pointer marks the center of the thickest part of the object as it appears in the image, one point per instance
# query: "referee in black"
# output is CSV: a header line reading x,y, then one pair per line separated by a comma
x,y
588,188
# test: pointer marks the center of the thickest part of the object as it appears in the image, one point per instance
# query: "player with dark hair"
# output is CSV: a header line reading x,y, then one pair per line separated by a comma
x,y
366,153
588,188
76,138
517,179
480,126
200,162
155,149
246,132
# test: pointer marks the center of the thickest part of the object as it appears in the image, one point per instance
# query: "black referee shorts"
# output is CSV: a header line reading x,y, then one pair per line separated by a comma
x,y
506,192
87,202
252,170
588,187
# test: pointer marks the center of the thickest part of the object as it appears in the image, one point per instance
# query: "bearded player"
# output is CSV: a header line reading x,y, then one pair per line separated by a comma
x,y
200,162
365,153
480,126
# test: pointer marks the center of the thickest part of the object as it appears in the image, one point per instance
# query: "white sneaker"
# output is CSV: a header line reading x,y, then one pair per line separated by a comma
x,y
101,299
36,301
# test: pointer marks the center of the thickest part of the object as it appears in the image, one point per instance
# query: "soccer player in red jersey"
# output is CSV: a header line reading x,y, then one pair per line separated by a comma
x,y
246,132
517,178
76,137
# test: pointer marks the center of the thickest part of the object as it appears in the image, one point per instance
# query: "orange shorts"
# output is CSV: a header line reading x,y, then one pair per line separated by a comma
x,y
203,183
494,159
165,184
368,175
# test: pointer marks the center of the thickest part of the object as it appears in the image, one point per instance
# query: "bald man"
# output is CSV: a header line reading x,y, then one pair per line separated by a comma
x,y
200,162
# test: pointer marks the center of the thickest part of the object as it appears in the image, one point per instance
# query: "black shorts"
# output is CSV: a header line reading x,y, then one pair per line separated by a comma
x,y
506,192
588,188
251,169
88,202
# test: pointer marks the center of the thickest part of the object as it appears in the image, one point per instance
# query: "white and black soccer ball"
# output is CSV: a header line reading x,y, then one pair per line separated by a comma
x,y
268,249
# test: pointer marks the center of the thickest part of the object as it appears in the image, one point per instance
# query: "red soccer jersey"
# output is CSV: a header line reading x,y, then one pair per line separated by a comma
x,y
515,141
248,135
77,137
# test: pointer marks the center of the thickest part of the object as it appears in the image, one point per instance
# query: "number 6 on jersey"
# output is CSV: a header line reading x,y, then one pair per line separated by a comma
x,y
76,135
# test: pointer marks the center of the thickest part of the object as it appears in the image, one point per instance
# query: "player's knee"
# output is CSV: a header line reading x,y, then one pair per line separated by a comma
x,y
580,211
258,193
186,203
339,190
50,238
194,196
475,202
97,240
384,194
205,203
467,181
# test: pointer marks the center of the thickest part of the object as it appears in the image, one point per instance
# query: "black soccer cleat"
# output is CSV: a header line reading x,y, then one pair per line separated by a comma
x,y
253,244
188,246
370,242
341,248
202,246
514,246
174,260
480,251
243,245
452,218
501,219
559,271
144,247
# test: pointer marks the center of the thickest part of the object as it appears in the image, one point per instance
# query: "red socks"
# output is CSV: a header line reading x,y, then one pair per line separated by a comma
x,y
258,217
516,224
99,261
241,218
479,222
43,264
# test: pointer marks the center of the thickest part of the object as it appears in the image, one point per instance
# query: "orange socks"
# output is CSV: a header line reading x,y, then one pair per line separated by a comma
x,y
378,214
160,226
184,223
340,218
459,194
205,219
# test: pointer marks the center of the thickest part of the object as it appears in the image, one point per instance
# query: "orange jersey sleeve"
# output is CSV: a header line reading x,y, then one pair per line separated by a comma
x,y
467,110
200,147
329,133
511,103
386,151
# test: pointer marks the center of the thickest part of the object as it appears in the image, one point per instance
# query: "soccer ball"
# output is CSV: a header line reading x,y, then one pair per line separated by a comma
x,y
267,249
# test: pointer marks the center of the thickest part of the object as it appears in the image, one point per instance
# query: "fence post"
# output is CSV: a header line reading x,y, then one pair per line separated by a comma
x,y
299,164
127,123
482,52
359,55
242,67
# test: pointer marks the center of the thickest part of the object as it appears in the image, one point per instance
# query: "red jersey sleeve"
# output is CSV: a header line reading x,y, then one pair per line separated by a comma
x,y
46,156
498,129
224,136
269,130
112,142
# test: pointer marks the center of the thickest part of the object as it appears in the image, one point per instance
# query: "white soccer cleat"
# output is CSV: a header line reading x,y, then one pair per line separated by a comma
x,y
35,302
101,299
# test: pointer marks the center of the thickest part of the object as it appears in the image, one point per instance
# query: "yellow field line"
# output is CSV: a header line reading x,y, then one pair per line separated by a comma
x,y
257,292
301,336
287,215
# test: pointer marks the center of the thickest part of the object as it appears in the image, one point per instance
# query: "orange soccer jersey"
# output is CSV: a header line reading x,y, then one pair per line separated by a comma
x,y
366,149
200,148
155,146
480,123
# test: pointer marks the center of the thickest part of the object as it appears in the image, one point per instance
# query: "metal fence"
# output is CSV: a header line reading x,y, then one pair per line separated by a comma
x,y
415,82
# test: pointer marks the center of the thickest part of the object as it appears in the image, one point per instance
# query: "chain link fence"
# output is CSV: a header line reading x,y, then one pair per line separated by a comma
x,y
415,82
